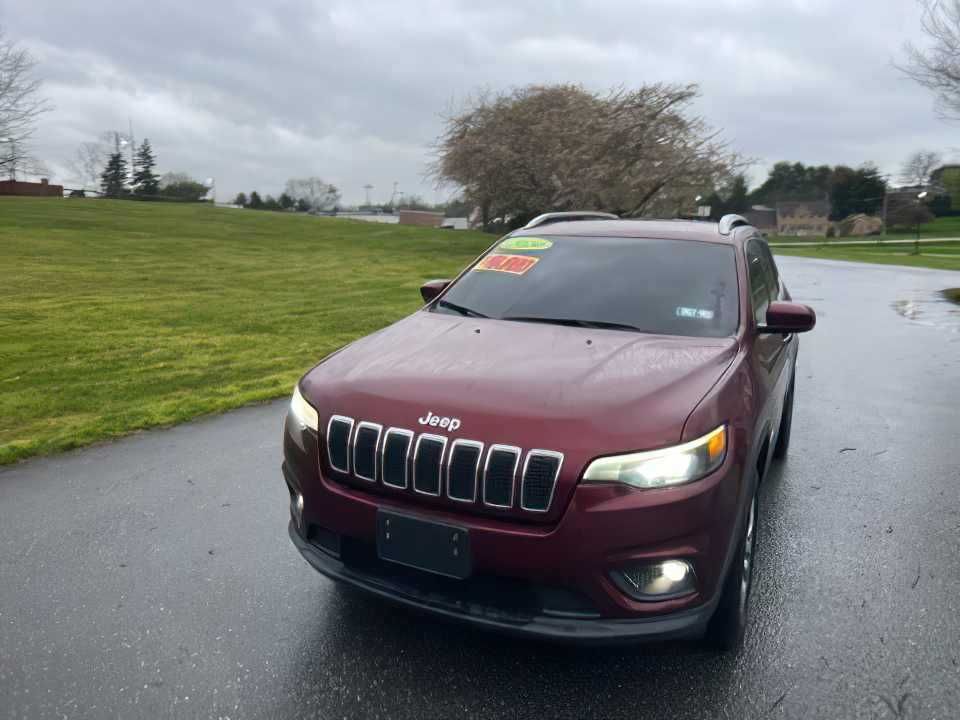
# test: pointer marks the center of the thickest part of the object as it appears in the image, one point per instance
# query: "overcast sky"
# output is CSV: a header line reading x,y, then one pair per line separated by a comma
x,y
352,90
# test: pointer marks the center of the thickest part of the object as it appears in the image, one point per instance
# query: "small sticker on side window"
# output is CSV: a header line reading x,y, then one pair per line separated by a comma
x,y
512,264
695,313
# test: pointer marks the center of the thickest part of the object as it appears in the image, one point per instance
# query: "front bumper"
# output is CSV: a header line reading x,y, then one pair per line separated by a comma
x,y
543,580
684,624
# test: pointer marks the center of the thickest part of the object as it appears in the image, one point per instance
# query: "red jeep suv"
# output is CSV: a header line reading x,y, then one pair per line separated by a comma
x,y
566,441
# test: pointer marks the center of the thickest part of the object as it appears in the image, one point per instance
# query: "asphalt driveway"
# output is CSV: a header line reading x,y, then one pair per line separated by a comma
x,y
153,577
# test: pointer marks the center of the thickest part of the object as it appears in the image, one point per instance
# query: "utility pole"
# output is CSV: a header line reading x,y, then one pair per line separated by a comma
x,y
368,187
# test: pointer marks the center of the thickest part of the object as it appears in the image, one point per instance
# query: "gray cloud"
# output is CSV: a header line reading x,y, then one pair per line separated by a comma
x,y
352,90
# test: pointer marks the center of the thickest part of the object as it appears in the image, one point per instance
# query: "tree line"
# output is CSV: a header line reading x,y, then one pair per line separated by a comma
x,y
848,191
103,164
309,194
635,153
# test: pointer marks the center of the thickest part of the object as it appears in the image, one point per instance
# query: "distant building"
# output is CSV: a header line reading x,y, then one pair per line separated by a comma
x,y
424,218
456,223
946,180
803,217
762,218
37,189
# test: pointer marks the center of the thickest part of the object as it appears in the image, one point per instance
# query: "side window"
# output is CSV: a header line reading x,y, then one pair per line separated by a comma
x,y
760,277
773,277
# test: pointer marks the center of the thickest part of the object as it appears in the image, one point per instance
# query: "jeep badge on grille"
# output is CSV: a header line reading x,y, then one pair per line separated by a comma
x,y
451,424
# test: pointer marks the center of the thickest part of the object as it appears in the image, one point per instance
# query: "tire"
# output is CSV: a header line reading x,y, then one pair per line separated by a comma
x,y
729,622
786,422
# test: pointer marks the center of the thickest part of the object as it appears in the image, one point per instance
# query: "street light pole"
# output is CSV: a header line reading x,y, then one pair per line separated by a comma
x,y
916,242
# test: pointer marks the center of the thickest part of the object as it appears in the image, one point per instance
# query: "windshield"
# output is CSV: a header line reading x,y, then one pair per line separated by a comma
x,y
671,287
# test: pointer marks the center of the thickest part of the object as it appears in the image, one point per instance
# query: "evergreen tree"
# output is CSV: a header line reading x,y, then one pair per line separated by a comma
x,y
240,199
255,201
114,176
286,202
737,194
145,181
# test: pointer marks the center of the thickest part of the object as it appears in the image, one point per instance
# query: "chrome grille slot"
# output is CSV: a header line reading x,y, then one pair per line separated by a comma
x,y
540,472
427,463
462,468
365,451
395,452
339,430
499,475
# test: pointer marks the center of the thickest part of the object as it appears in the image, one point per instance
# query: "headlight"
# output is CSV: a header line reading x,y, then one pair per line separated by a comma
x,y
303,411
663,468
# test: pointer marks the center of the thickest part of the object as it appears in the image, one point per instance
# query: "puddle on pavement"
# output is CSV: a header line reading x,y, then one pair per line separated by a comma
x,y
931,309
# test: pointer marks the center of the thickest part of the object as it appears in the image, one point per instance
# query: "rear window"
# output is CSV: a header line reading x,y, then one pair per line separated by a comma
x,y
671,287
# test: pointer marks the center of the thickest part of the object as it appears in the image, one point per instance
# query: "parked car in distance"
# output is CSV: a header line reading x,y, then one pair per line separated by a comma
x,y
566,441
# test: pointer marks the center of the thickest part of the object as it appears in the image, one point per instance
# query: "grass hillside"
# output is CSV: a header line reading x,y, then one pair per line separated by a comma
x,y
943,256
941,227
117,316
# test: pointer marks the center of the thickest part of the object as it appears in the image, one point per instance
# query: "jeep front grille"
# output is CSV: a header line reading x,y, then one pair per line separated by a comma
x,y
339,431
466,472
540,472
365,451
427,458
499,475
463,467
396,450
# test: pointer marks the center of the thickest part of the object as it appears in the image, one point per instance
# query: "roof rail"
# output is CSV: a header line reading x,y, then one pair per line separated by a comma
x,y
729,222
552,217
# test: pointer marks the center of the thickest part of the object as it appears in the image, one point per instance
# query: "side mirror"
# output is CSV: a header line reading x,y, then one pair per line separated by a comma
x,y
788,317
430,289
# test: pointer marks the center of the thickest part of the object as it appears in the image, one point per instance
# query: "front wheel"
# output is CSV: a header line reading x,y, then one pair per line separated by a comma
x,y
729,622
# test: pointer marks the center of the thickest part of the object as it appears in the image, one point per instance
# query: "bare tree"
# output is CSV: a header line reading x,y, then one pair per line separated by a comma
x,y
560,147
90,159
313,192
937,67
20,106
919,167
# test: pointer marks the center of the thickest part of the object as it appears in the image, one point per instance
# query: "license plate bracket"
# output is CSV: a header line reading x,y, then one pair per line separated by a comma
x,y
424,544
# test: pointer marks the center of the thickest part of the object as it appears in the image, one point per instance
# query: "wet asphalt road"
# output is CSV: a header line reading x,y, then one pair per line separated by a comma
x,y
153,577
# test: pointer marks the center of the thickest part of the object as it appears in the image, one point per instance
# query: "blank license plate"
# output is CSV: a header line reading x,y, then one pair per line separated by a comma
x,y
422,544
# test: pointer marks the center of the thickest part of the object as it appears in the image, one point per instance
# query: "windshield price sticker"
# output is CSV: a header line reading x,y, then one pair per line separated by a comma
x,y
525,243
512,264
696,313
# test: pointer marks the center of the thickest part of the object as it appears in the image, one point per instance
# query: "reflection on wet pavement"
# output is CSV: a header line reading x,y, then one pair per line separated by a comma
x,y
931,309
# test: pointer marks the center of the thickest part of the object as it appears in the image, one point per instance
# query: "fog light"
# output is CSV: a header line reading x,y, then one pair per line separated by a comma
x,y
296,508
657,581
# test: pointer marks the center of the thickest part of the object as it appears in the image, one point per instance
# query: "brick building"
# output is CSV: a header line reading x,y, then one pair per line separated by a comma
x,y
804,217
421,217
37,189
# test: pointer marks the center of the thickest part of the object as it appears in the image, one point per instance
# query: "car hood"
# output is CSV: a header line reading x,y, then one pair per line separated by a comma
x,y
580,391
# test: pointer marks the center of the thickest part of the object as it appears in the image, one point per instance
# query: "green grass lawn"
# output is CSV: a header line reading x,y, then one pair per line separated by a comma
x,y
943,256
117,316
941,227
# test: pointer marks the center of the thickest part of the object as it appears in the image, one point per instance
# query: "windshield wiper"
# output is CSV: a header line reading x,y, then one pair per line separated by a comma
x,y
573,322
460,309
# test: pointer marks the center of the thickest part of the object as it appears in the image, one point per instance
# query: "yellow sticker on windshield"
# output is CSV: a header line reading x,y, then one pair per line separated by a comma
x,y
525,243
513,264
